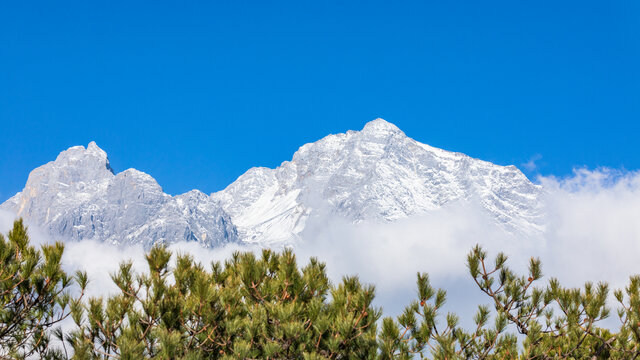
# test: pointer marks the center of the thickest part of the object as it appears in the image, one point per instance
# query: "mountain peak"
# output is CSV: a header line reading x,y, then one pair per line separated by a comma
x,y
380,125
377,174
94,148
75,164
77,197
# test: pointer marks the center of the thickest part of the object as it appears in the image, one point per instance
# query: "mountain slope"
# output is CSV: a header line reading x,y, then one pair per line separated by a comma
x,y
376,174
78,196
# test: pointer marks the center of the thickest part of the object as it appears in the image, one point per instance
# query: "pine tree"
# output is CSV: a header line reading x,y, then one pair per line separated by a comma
x,y
556,322
249,308
267,307
33,294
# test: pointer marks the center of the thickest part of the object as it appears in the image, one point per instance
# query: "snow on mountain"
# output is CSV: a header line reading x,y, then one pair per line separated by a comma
x,y
78,196
376,174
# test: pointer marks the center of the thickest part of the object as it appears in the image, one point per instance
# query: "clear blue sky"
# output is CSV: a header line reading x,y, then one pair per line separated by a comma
x,y
195,93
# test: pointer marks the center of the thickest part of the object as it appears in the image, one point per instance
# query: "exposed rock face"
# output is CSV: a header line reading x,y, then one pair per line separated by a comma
x,y
376,174
78,196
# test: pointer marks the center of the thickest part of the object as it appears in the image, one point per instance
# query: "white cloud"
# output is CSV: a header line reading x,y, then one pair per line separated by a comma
x,y
36,235
594,229
100,260
531,164
390,255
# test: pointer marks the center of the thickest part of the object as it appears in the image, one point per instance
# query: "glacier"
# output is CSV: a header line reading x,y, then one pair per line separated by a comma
x,y
377,174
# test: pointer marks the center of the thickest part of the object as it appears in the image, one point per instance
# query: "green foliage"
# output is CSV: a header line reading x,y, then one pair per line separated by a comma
x,y
571,334
267,307
252,307
33,294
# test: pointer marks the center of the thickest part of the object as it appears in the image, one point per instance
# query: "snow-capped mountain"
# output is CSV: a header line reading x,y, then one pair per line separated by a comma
x,y
376,174
78,196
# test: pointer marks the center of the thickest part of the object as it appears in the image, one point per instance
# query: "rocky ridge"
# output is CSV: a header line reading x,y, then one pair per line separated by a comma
x,y
78,197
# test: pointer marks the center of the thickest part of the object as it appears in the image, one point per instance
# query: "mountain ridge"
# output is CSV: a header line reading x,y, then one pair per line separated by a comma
x,y
78,196
376,174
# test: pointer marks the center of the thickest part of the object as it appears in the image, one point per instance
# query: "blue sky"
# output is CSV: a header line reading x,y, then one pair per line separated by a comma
x,y
195,93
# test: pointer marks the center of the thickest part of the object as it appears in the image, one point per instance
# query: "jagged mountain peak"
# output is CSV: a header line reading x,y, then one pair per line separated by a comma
x,y
78,196
90,163
94,147
91,149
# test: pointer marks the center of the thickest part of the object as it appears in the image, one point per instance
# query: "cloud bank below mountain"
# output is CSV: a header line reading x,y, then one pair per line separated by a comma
x,y
593,234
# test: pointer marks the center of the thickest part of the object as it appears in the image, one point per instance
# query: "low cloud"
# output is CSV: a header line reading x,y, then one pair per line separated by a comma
x,y
532,165
389,255
100,260
593,233
594,228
